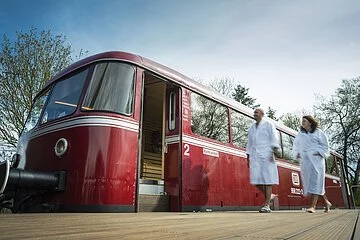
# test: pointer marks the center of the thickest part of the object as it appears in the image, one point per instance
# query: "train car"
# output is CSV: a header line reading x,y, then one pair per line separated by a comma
x,y
116,132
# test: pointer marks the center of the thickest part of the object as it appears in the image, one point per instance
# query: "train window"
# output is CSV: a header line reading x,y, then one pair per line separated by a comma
x,y
209,118
331,165
111,88
64,97
288,141
172,110
240,125
278,152
35,112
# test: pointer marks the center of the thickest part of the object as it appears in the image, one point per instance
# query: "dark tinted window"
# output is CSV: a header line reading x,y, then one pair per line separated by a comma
x,y
111,88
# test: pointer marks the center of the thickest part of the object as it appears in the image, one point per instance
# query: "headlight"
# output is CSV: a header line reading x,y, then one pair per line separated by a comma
x,y
61,147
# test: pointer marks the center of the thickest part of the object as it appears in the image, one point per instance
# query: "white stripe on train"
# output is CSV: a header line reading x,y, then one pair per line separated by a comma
x,y
229,150
104,121
101,121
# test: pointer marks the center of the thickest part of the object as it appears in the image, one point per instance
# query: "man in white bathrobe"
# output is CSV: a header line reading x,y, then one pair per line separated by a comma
x,y
262,142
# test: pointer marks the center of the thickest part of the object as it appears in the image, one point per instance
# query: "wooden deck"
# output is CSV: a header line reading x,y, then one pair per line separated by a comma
x,y
338,224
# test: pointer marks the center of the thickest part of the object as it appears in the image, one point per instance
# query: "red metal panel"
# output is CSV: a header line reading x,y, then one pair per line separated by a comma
x,y
223,181
171,177
235,181
201,184
290,193
186,111
101,164
138,92
333,192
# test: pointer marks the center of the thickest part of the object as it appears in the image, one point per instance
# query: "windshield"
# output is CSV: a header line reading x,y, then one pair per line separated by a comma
x,y
64,97
35,112
111,89
61,101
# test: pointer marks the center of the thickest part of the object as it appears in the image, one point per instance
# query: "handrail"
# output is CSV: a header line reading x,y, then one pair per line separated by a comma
x,y
352,194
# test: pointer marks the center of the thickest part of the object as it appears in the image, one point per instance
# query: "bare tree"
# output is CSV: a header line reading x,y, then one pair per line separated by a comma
x,y
291,120
341,116
209,118
233,89
224,85
25,66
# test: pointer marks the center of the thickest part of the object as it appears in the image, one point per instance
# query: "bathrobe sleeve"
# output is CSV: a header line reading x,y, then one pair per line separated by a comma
x,y
274,136
249,144
322,146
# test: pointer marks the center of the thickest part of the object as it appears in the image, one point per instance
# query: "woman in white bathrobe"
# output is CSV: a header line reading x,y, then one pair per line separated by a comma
x,y
310,148
262,141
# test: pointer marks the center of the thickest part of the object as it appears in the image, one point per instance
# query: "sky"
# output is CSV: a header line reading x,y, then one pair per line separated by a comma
x,y
285,51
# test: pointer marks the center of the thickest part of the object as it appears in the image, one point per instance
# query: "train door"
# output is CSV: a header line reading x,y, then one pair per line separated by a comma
x,y
173,148
156,169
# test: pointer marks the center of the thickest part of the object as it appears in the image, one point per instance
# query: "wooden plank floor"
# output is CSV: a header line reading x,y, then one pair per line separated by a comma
x,y
338,224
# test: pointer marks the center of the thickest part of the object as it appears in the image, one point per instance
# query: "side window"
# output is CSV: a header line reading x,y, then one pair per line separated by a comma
x,y
64,97
278,153
240,125
288,141
209,119
331,165
111,88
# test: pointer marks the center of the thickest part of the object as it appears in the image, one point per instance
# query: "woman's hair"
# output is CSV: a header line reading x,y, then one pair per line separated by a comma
x,y
314,123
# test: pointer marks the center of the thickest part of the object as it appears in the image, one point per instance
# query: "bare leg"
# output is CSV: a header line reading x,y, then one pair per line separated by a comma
x,y
261,188
327,203
268,193
314,199
266,190
326,200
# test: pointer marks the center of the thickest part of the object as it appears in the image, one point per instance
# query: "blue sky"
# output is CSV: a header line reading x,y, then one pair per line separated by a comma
x,y
285,51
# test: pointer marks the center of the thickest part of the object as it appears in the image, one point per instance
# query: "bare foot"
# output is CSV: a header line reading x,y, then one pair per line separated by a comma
x,y
311,210
273,196
327,207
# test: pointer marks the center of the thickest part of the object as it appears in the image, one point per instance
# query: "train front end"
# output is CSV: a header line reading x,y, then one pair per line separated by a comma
x,y
78,149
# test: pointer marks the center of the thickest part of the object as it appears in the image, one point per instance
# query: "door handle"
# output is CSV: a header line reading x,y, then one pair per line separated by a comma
x,y
165,147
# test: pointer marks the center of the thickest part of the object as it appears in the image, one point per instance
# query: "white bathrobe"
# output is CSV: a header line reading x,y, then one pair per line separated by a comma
x,y
312,166
261,142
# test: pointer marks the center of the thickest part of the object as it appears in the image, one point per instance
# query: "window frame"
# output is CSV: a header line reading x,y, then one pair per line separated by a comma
x,y
216,102
231,126
47,90
88,84
292,160
64,78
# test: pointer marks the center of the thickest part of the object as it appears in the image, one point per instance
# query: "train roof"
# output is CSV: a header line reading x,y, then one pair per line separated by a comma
x,y
167,73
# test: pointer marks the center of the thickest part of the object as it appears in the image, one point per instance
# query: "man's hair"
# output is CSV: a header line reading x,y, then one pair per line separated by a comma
x,y
260,110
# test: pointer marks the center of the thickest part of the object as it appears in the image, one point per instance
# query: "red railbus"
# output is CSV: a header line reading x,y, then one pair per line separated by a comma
x,y
116,132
